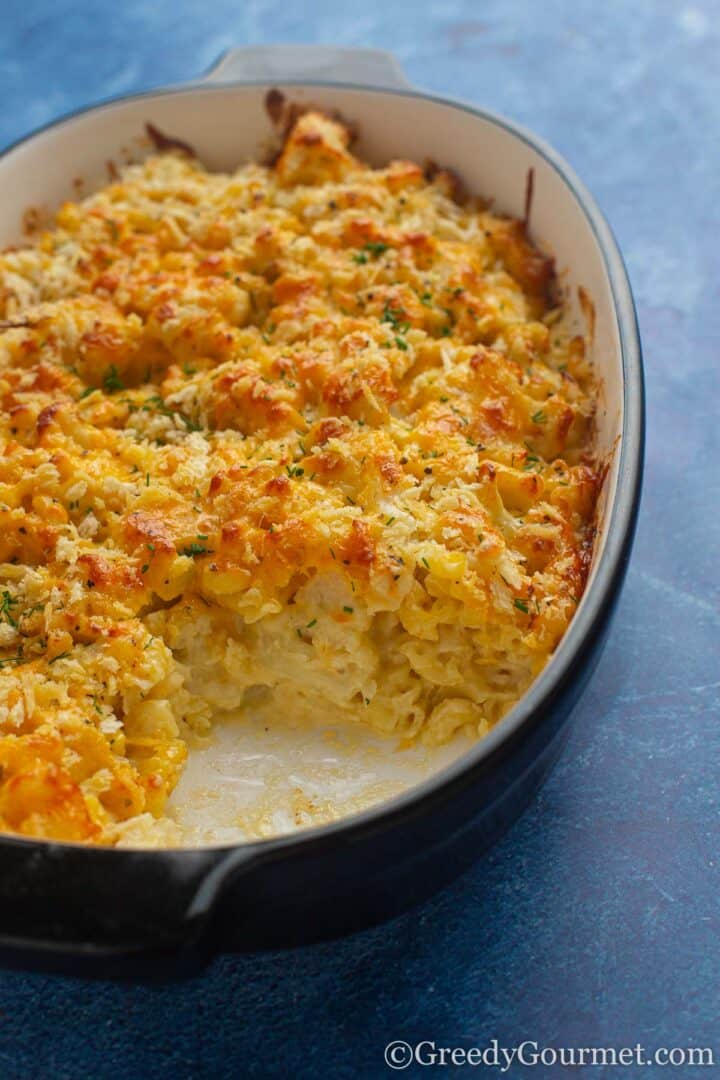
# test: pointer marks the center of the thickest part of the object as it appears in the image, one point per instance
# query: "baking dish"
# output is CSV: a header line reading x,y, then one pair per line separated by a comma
x,y
112,911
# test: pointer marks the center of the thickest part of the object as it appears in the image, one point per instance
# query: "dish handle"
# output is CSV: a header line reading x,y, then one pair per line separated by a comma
x,y
309,63
115,913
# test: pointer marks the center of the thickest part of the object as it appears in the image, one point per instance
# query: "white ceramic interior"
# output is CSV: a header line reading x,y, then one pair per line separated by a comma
x,y
227,124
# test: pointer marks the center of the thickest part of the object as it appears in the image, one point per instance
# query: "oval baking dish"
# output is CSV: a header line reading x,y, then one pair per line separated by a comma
x,y
114,911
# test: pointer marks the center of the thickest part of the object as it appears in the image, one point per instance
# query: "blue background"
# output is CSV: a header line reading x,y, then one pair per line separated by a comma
x,y
596,920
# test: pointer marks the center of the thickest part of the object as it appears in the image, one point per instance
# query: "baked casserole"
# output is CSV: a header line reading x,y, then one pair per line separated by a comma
x,y
311,440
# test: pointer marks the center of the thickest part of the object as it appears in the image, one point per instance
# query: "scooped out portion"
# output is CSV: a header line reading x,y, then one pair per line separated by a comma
x,y
308,441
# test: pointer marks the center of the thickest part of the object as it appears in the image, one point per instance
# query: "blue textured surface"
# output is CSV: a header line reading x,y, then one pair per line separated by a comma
x,y
596,921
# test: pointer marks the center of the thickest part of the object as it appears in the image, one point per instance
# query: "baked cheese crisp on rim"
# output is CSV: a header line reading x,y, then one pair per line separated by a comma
x,y
309,440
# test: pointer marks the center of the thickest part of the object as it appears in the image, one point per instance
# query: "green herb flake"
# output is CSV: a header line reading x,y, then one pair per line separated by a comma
x,y
348,609
521,605
375,248
539,417
8,602
60,656
112,381
194,549
17,659
392,315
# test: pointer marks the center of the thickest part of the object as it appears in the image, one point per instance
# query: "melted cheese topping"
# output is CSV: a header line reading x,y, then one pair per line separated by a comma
x,y
308,439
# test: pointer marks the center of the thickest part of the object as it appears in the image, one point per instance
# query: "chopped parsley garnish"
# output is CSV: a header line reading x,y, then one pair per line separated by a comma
x,y
348,609
189,424
375,248
156,403
87,392
310,625
112,381
425,562
8,602
401,344
17,659
521,605
193,549
539,417
60,656
294,470
393,315
360,257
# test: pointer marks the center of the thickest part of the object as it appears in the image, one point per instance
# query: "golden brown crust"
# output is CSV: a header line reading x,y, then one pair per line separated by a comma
x,y
215,390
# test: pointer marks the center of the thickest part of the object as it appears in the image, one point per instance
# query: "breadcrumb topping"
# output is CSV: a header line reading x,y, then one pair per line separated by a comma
x,y
309,439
